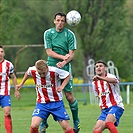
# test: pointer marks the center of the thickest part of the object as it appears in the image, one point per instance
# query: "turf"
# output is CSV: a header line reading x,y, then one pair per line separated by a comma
x,y
22,111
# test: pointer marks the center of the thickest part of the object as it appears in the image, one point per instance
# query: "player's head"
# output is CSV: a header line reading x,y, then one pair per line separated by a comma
x,y
41,67
101,61
100,67
2,53
60,21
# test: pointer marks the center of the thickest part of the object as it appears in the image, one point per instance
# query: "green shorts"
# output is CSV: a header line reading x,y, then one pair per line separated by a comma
x,y
69,86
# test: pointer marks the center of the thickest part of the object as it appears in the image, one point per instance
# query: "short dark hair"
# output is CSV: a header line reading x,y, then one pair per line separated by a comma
x,y
1,46
60,14
101,61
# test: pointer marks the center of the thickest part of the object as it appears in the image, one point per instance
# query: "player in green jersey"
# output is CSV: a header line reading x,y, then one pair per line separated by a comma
x,y
60,44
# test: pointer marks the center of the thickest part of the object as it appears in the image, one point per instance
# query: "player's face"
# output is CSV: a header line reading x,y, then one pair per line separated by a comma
x,y
59,22
2,54
43,73
100,69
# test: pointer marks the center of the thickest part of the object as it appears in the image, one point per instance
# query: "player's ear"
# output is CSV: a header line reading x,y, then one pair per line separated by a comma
x,y
54,21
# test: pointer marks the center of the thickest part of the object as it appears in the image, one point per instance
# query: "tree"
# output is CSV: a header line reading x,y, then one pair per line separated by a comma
x,y
103,32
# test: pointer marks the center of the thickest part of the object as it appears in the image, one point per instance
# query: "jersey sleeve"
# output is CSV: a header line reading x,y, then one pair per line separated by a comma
x,y
30,69
113,76
72,40
62,73
94,89
11,68
47,39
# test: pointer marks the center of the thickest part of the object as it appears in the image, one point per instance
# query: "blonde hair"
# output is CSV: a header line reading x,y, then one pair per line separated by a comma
x,y
41,65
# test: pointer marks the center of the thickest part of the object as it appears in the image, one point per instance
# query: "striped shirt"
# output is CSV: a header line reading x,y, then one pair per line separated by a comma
x,y
108,93
6,68
46,86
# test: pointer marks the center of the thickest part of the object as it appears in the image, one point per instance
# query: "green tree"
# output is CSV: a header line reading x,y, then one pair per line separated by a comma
x,y
103,32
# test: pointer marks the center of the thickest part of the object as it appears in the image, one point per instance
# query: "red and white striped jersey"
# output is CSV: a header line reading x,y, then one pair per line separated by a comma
x,y
6,68
108,93
46,87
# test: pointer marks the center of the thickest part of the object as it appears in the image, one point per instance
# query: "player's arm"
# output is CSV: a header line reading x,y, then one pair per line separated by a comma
x,y
53,54
110,80
64,62
26,76
14,80
64,83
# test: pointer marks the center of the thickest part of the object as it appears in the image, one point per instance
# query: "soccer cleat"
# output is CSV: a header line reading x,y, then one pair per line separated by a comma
x,y
43,130
76,130
76,127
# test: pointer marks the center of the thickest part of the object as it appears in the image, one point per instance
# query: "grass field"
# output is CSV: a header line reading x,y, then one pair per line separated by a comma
x,y
22,111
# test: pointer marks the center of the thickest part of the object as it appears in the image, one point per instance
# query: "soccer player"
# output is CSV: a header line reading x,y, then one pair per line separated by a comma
x,y
49,82
60,44
105,86
6,72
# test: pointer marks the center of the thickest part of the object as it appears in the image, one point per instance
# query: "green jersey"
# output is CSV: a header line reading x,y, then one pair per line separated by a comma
x,y
59,42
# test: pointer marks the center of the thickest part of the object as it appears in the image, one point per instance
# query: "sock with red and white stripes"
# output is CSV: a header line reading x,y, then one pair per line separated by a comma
x,y
8,124
33,130
70,131
111,127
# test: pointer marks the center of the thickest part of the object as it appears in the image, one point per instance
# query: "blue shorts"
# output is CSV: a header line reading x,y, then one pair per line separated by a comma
x,y
5,101
115,110
56,109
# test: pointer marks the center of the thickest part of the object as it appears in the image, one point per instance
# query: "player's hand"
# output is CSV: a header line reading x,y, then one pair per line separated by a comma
x,y
61,64
59,89
17,94
18,87
96,77
66,57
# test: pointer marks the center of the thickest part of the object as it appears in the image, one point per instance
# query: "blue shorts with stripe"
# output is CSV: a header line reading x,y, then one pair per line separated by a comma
x,y
114,110
56,109
5,101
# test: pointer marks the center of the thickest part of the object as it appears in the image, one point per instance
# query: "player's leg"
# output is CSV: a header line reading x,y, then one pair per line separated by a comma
x,y
35,124
99,126
6,105
59,114
73,104
66,126
7,119
43,126
113,118
43,113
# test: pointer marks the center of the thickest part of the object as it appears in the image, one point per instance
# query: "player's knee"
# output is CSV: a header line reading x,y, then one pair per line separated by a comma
x,y
70,97
34,125
7,113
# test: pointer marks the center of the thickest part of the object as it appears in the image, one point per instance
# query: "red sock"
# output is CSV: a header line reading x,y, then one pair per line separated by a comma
x,y
8,124
111,127
33,130
97,132
70,131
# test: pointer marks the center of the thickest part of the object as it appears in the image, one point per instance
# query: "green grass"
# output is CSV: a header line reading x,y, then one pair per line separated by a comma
x,y
22,111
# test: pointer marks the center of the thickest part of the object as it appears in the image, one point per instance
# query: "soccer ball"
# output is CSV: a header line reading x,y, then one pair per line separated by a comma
x,y
73,17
